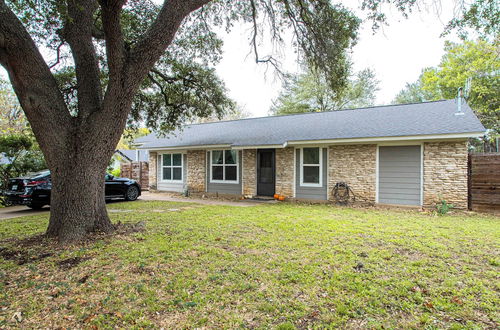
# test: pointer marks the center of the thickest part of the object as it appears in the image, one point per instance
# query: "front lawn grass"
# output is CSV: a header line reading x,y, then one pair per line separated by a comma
x,y
270,266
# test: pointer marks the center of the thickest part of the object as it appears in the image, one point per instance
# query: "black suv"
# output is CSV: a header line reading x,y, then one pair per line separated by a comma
x,y
34,190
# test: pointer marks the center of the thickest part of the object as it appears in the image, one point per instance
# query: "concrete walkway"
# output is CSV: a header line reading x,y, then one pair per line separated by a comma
x,y
20,211
148,196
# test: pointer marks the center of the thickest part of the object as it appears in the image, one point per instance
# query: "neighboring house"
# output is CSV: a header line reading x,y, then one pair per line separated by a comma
x,y
127,156
132,155
412,154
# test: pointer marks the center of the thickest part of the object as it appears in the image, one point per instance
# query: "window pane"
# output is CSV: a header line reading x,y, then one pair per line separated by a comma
x,y
230,156
217,172
311,174
177,173
167,159
231,173
167,173
177,159
217,157
311,155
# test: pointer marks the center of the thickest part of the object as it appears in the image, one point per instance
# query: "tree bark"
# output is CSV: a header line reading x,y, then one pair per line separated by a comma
x,y
77,196
77,203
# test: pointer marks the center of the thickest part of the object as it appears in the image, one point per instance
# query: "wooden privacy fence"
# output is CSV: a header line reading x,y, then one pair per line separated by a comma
x,y
138,171
484,182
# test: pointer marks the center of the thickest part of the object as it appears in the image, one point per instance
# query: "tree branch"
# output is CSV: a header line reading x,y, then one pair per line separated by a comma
x,y
115,46
77,32
159,36
58,55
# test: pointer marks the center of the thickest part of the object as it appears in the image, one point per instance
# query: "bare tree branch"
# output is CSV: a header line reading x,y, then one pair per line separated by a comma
x,y
58,51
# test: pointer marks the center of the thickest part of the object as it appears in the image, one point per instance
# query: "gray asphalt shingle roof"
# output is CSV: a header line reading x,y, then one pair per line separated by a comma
x,y
132,155
428,118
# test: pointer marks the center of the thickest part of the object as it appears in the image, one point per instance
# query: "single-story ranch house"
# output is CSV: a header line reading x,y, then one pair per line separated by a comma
x,y
411,154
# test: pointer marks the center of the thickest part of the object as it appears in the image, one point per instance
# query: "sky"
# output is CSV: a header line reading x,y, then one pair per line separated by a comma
x,y
397,53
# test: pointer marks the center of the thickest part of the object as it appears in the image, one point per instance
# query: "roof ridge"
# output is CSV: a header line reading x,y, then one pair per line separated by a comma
x,y
316,112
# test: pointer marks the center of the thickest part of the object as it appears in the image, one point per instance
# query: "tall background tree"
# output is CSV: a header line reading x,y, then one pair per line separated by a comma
x,y
310,92
478,61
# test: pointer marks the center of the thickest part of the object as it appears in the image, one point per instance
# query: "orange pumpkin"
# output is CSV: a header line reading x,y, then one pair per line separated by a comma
x,y
276,196
281,198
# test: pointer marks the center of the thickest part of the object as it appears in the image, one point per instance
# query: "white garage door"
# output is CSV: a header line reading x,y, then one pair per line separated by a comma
x,y
399,179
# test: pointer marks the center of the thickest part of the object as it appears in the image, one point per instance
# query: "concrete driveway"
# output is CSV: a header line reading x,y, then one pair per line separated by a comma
x,y
20,211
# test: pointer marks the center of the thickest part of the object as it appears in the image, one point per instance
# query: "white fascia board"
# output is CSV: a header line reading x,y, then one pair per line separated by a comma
x,y
391,138
213,146
265,146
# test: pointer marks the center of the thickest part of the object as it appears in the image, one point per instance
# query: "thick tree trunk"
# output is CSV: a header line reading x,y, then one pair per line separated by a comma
x,y
77,198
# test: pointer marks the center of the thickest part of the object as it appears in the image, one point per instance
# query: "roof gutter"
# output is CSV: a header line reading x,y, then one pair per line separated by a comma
x,y
391,138
263,146
326,141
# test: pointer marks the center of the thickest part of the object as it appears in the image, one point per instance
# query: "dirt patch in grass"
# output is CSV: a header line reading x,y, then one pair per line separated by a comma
x,y
69,263
22,257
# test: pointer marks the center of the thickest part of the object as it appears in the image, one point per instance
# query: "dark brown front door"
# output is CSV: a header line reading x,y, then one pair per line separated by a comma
x,y
266,170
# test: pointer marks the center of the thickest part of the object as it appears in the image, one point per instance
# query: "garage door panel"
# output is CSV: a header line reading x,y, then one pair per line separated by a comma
x,y
400,152
399,180
397,165
399,175
399,201
400,190
397,185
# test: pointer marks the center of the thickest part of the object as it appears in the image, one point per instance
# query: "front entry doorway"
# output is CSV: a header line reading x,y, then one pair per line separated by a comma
x,y
266,172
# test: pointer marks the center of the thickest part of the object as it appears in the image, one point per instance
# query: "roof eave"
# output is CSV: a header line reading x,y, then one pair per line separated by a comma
x,y
421,137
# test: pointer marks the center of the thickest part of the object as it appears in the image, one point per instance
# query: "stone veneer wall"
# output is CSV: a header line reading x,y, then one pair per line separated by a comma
x,y
153,165
196,170
284,172
445,173
249,172
356,165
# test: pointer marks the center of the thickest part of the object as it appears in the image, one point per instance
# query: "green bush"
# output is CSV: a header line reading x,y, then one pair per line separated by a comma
x,y
115,172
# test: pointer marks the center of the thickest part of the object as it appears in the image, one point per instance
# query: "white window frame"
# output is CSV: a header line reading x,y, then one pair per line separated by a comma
x,y
320,165
237,181
172,167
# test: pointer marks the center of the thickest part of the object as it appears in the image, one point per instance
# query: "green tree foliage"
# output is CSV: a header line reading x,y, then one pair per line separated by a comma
x,y
19,154
481,16
476,60
412,93
310,92
12,119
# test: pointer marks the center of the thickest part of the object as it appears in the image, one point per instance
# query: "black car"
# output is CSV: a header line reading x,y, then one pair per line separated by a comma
x,y
34,190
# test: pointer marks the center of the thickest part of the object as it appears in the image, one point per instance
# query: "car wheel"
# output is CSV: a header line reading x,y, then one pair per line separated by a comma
x,y
132,193
35,206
